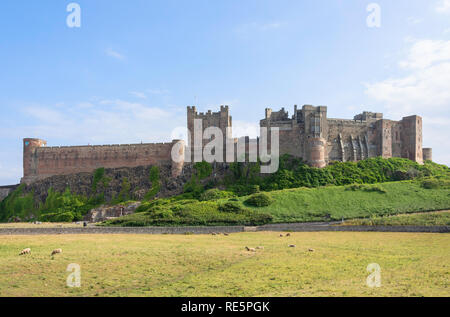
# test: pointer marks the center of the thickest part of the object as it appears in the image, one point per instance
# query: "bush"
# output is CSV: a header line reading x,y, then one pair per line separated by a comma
x,y
230,206
294,173
366,188
203,169
259,200
435,183
155,182
214,194
57,217
124,194
193,213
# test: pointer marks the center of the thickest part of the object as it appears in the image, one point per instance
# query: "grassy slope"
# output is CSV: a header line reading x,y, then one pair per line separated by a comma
x,y
205,265
439,218
304,205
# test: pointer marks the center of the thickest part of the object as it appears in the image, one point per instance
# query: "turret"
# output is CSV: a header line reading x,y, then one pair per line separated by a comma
x,y
30,146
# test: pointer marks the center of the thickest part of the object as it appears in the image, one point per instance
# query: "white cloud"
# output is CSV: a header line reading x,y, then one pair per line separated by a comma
x,y
138,94
243,128
414,20
425,53
110,52
443,6
105,122
424,90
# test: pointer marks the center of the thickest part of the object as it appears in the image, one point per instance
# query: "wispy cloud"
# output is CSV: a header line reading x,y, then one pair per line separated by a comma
x,y
138,94
443,6
425,89
414,20
105,121
110,52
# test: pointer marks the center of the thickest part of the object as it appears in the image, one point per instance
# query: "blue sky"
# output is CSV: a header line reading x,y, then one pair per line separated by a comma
x,y
128,73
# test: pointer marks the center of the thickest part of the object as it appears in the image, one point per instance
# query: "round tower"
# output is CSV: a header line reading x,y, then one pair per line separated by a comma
x,y
30,159
178,153
316,148
427,154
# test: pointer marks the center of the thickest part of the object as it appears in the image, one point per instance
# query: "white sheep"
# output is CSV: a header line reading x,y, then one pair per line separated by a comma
x,y
25,251
250,249
56,251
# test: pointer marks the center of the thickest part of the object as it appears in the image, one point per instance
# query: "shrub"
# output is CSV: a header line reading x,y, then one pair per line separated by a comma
x,y
203,169
124,194
193,213
156,183
99,173
366,188
58,217
259,200
435,183
214,194
230,206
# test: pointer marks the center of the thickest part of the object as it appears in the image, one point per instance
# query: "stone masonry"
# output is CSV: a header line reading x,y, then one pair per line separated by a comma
x,y
308,134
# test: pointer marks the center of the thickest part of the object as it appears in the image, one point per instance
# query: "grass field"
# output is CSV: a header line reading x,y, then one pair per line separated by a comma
x,y
438,218
337,202
295,205
205,265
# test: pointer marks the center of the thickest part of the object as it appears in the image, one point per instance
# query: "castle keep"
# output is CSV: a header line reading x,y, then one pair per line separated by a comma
x,y
308,134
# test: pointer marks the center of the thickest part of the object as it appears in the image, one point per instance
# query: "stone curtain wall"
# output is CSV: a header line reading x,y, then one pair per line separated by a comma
x,y
41,162
5,191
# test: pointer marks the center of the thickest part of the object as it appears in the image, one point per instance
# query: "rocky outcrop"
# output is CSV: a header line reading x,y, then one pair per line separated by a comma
x,y
113,181
108,212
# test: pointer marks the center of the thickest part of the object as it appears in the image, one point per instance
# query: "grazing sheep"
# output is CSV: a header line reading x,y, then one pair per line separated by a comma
x,y
281,235
311,250
292,246
213,233
56,251
288,235
226,234
250,249
25,251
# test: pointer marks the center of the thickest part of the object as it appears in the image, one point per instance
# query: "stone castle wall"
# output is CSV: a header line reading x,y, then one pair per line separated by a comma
x,y
41,161
6,190
308,134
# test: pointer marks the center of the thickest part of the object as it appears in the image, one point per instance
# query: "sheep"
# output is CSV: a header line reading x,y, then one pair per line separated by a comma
x,y
288,235
292,246
281,235
56,251
25,251
260,248
250,249
311,250
226,234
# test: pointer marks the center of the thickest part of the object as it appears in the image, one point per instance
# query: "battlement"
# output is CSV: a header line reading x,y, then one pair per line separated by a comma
x,y
307,134
368,116
41,161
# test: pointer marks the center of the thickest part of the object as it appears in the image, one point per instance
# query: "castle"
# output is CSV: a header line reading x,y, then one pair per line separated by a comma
x,y
307,134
